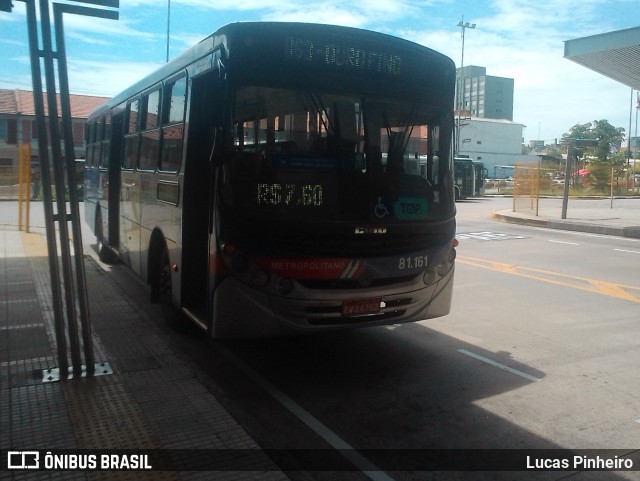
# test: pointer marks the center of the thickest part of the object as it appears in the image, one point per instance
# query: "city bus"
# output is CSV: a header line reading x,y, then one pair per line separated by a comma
x,y
465,177
282,178
480,175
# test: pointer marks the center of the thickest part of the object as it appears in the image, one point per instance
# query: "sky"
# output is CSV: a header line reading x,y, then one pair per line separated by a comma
x,y
519,39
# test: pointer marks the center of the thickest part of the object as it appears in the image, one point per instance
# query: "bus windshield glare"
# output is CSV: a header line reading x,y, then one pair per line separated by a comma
x,y
302,154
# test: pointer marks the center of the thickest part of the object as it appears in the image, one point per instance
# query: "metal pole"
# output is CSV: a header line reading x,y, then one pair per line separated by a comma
x,y
27,153
58,171
52,248
461,85
635,147
612,169
567,171
461,101
538,189
168,25
21,181
626,189
76,229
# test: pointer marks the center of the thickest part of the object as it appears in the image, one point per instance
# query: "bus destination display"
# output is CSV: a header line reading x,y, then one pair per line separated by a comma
x,y
289,194
343,56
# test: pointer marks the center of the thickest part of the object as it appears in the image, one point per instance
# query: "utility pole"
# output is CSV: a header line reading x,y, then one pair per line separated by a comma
x,y
460,86
463,27
573,143
567,172
168,25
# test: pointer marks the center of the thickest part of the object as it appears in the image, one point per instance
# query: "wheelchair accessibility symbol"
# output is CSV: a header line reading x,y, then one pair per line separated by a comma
x,y
380,209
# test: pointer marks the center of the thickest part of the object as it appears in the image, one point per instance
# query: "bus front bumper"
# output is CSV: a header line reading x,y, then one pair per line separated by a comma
x,y
240,311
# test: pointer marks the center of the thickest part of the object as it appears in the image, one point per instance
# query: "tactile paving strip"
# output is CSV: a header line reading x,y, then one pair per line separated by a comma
x,y
153,401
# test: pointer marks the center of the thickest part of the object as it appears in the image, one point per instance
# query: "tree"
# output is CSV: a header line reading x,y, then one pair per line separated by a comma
x,y
603,136
607,136
601,130
578,131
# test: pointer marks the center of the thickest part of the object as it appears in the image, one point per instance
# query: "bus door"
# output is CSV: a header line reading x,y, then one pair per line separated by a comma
x,y
197,196
481,174
113,145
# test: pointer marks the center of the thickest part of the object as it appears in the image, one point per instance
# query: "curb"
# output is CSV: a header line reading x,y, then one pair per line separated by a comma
x,y
629,231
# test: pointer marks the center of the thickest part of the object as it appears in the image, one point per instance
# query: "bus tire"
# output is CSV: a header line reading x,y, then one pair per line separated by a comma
x,y
105,254
174,319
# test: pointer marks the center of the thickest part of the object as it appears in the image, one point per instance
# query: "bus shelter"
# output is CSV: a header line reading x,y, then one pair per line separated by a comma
x,y
614,54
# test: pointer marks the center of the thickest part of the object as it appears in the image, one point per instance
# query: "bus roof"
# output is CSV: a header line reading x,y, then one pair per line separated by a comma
x,y
305,45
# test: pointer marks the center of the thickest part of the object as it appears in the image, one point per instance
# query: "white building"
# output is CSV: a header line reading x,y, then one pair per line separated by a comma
x,y
497,143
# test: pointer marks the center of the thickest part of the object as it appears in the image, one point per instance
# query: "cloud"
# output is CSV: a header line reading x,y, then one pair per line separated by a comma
x,y
519,39
88,76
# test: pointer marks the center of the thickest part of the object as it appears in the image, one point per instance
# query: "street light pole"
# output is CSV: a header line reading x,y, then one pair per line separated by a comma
x,y
460,87
567,173
463,27
168,25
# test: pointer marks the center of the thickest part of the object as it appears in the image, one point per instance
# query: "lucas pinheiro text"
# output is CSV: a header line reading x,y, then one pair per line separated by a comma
x,y
580,463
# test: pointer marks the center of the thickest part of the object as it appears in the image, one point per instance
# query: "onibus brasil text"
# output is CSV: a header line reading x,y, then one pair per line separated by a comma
x,y
56,461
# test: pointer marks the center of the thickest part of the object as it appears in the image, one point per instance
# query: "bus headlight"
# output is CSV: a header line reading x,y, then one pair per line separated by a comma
x,y
429,277
443,268
260,278
284,286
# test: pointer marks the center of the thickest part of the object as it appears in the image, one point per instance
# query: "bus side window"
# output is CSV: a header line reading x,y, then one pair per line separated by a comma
x,y
150,126
89,146
96,132
131,137
175,95
105,140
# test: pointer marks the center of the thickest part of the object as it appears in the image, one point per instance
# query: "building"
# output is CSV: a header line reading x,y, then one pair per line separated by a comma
x,y
496,143
485,130
18,126
484,96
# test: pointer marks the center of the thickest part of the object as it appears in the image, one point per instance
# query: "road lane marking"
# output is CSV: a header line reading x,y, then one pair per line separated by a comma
x,y
504,367
599,236
624,250
564,242
488,236
596,286
335,441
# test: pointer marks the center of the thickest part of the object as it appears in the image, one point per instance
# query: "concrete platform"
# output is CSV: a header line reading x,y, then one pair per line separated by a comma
x,y
153,402
597,216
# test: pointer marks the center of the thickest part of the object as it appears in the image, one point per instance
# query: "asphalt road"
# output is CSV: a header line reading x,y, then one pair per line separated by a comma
x,y
541,351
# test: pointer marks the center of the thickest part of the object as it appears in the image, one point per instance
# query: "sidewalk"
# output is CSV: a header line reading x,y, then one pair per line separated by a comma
x,y
583,215
153,400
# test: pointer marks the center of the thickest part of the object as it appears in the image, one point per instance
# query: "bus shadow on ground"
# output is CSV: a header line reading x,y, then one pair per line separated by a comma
x,y
387,391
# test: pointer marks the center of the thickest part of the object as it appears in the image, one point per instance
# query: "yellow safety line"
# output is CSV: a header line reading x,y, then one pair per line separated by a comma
x,y
611,289
35,245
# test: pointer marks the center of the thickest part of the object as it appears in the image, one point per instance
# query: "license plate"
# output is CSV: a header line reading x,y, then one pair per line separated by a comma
x,y
361,307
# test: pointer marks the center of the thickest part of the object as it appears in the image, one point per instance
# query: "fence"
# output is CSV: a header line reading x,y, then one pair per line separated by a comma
x,y
526,187
17,184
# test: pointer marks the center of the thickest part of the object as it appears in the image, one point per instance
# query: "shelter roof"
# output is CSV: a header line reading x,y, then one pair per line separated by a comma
x,y
614,54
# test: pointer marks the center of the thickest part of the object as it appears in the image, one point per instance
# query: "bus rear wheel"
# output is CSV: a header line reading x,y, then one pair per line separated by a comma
x,y
104,253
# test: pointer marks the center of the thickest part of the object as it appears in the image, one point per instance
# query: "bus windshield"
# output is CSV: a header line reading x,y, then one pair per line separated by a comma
x,y
308,155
